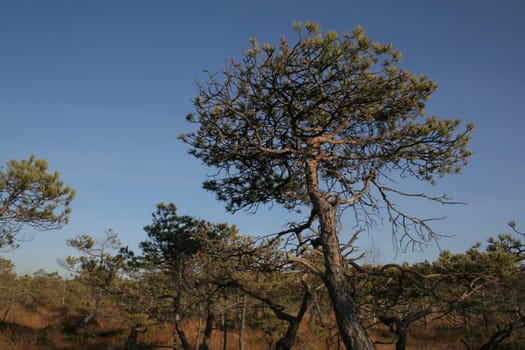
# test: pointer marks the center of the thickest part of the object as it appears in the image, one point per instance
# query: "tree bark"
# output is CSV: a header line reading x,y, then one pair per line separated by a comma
x,y
242,319
176,313
498,337
208,328
199,327
287,341
132,340
90,315
224,331
181,334
400,329
4,318
352,332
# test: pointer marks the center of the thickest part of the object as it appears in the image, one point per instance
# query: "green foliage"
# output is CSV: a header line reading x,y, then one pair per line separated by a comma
x,y
172,238
483,288
327,123
99,263
6,267
31,195
175,240
327,116
342,100
186,261
480,288
506,243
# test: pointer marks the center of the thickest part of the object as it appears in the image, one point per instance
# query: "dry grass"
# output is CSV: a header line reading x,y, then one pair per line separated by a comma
x,y
43,329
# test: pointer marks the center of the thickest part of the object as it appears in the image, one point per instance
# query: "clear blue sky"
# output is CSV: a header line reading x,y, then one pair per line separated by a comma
x,y
100,89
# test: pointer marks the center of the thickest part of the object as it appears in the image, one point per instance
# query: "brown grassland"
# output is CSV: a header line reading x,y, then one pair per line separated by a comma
x,y
49,329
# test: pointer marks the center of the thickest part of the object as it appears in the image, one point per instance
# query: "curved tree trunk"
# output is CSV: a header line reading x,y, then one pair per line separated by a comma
x,y
352,332
498,337
399,327
90,315
180,333
287,341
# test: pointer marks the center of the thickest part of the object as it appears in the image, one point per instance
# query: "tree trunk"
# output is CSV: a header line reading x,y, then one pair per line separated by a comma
x,y
498,337
287,341
224,331
242,322
401,342
352,332
399,327
132,341
181,334
4,318
176,312
199,328
208,328
89,316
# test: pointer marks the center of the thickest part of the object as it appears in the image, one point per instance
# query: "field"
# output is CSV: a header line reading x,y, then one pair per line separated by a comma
x,y
50,329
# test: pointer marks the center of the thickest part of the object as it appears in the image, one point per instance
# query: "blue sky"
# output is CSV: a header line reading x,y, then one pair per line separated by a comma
x,y
100,89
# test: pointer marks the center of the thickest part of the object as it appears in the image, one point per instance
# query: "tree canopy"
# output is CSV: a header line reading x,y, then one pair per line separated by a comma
x,y
340,102
194,255
328,122
31,195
